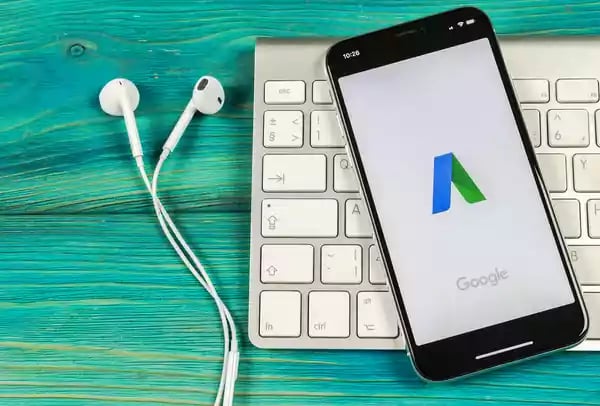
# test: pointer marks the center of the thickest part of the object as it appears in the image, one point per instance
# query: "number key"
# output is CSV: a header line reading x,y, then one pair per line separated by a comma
x,y
325,130
532,121
568,128
282,129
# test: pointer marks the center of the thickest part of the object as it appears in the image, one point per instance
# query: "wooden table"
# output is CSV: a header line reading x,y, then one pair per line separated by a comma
x,y
96,308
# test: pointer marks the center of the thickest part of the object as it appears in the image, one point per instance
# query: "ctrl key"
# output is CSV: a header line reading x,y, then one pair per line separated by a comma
x,y
329,314
280,313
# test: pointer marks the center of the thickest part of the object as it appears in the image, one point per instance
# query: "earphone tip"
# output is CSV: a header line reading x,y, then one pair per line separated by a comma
x,y
115,93
209,95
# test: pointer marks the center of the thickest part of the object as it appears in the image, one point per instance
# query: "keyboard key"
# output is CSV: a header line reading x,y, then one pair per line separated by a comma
x,y
586,262
586,172
593,212
598,127
299,218
377,275
358,222
329,314
568,128
285,92
286,263
554,171
344,176
577,90
294,173
532,90
377,315
341,264
567,214
282,129
532,121
320,92
280,313
592,302
325,130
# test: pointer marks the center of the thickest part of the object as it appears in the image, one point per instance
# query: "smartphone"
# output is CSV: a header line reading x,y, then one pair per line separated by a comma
x,y
473,253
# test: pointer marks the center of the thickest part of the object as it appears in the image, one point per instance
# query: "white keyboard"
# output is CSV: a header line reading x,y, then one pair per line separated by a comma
x,y
316,279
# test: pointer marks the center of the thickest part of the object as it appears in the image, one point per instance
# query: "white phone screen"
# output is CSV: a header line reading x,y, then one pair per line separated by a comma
x,y
463,220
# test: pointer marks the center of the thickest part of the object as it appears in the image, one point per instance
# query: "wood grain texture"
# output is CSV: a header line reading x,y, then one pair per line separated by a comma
x,y
54,138
95,307
87,315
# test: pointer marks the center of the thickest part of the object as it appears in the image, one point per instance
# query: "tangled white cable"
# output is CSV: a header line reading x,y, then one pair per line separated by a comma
x,y
120,97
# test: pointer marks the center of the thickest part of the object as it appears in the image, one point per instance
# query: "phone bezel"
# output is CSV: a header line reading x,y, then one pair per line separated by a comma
x,y
457,356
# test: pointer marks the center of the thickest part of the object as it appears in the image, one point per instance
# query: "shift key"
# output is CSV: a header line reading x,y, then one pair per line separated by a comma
x,y
299,218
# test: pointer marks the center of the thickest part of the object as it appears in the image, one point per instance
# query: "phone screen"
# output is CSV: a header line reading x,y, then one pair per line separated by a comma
x,y
467,233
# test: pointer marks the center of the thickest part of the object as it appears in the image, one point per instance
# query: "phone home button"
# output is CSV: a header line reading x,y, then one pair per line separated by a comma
x,y
503,350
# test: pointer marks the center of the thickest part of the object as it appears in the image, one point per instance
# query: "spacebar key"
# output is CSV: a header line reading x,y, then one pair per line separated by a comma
x,y
299,218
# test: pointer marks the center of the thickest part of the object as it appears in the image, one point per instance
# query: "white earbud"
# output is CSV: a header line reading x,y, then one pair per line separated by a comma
x,y
207,98
120,97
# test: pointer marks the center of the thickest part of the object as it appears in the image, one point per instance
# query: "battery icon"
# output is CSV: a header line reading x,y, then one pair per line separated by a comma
x,y
471,21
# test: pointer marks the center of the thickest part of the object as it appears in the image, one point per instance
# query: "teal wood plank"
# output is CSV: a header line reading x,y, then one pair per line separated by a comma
x,y
95,307
97,310
54,139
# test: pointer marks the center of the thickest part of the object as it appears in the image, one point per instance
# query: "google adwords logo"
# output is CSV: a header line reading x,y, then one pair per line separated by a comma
x,y
447,170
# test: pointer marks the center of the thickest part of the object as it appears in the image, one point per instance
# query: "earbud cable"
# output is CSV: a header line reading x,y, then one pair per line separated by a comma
x,y
231,351
187,248
226,319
